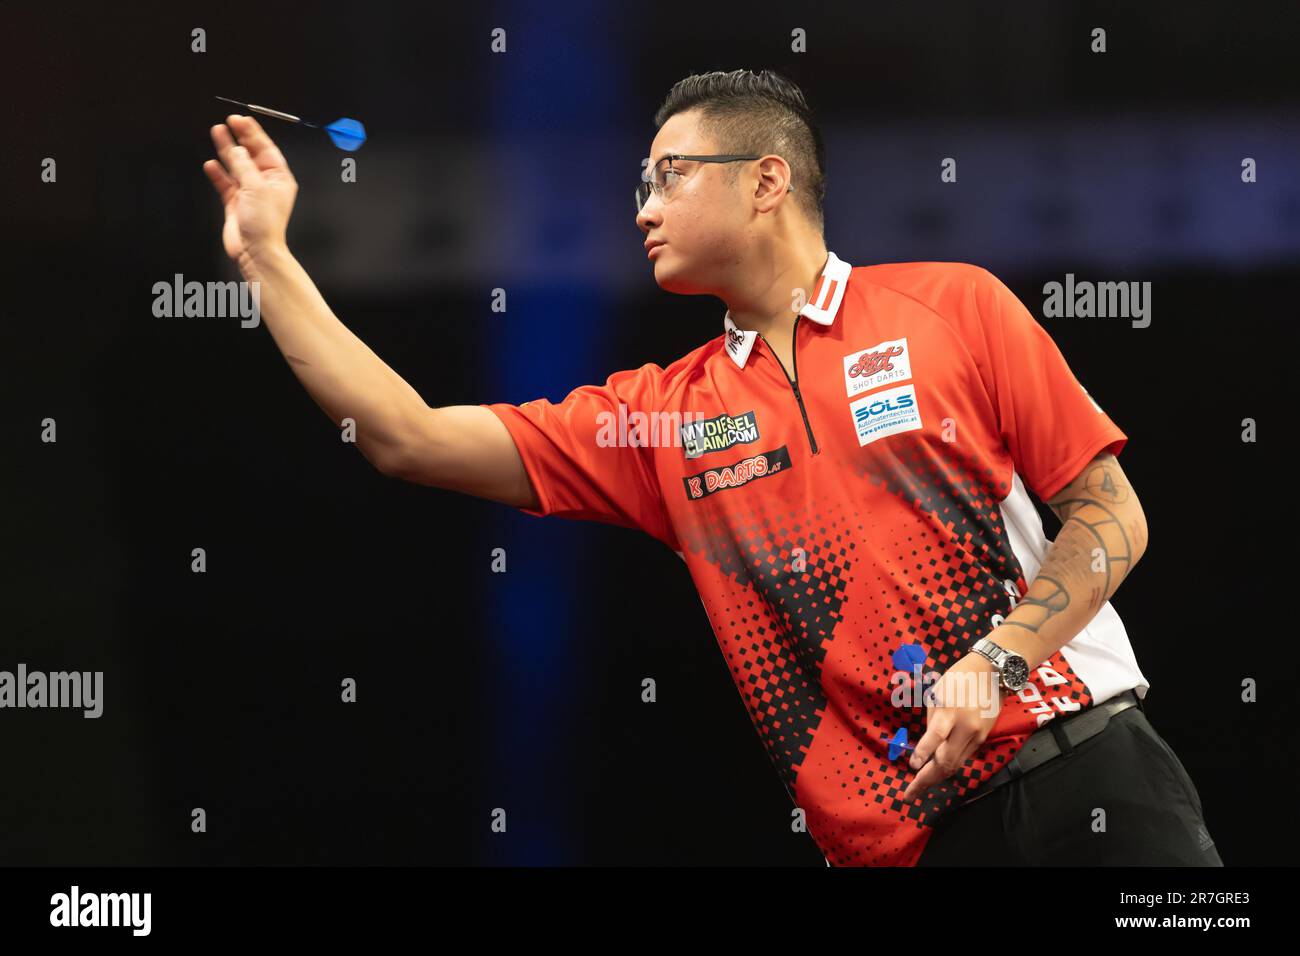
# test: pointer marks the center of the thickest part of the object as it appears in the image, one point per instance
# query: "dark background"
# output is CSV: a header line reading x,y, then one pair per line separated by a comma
x,y
515,171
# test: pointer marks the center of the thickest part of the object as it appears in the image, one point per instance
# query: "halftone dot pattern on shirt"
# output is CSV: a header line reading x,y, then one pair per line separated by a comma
x,y
778,609
947,583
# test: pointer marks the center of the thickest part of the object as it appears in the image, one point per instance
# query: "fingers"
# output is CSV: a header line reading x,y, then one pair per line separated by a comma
x,y
929,742
949,756
220,179
935,742
930,774
264,153
952,753
235,157
224,142
936,771
242,167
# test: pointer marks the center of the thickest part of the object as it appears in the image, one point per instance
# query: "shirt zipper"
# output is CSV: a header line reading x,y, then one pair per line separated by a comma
x,y
794,382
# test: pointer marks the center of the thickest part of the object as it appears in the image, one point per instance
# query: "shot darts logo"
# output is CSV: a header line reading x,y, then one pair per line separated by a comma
x,y
741,473
887,362
718,434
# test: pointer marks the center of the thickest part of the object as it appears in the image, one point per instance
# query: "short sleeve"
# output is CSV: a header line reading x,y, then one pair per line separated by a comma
x,y
1050,424
589,456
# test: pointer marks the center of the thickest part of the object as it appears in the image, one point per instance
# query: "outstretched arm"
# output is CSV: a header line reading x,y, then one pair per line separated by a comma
x,y
463,448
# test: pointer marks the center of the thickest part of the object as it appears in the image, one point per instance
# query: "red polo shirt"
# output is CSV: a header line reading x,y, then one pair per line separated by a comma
x,y
875,507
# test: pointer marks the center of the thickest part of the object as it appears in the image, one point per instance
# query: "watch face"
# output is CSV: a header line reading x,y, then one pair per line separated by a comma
x,y
1015,672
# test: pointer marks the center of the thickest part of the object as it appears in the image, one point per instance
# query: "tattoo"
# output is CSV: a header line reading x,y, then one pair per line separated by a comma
x,y
1093,526
1101,533
1096,599
1096,514
1101,481
1050,601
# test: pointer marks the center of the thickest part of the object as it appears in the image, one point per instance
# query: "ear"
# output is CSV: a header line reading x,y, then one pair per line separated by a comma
x,y
773,183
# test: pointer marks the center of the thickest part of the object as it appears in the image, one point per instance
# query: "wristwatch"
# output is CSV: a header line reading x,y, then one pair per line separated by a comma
x,y
1013,670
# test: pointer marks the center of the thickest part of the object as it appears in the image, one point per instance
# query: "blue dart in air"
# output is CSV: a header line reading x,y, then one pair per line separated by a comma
x,y
346,133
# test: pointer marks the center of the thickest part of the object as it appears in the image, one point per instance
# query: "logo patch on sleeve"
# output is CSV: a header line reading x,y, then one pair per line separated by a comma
x,y
741,473
718,434
887,362
885,413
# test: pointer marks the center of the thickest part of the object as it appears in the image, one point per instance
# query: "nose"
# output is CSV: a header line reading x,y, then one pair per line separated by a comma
x,y
650,215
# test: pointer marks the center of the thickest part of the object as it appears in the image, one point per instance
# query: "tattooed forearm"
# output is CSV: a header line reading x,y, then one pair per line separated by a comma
x,y
1101,501
1092,553
1102,536
1047,597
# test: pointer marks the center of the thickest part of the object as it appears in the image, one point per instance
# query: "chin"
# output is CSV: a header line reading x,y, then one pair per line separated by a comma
x,y
671,280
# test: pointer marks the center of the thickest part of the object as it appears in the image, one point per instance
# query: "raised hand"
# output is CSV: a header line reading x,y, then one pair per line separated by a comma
x,y
256,188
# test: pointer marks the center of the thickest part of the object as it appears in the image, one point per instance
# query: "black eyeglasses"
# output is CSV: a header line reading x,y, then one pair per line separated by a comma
x,y
661,180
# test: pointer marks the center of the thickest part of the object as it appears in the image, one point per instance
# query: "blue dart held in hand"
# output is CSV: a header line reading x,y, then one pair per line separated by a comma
x,y
346,133
909,657
899,744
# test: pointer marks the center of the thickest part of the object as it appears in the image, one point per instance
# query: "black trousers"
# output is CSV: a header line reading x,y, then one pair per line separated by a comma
x,y
1120,798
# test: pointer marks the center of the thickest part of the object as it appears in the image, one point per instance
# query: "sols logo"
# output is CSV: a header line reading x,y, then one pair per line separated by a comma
x,y
885,413
888,361
741,473
879,405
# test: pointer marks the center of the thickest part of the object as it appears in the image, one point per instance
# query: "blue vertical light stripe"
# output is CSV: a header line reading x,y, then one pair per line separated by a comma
x,y
546,81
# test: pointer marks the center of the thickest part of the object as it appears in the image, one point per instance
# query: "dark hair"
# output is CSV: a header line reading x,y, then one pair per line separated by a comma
x,y
747,112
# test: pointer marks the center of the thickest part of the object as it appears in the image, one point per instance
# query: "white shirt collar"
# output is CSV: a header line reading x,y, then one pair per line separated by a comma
x,y
822,307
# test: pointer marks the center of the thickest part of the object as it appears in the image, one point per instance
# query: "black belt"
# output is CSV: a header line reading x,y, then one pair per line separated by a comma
x,y
1060,736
